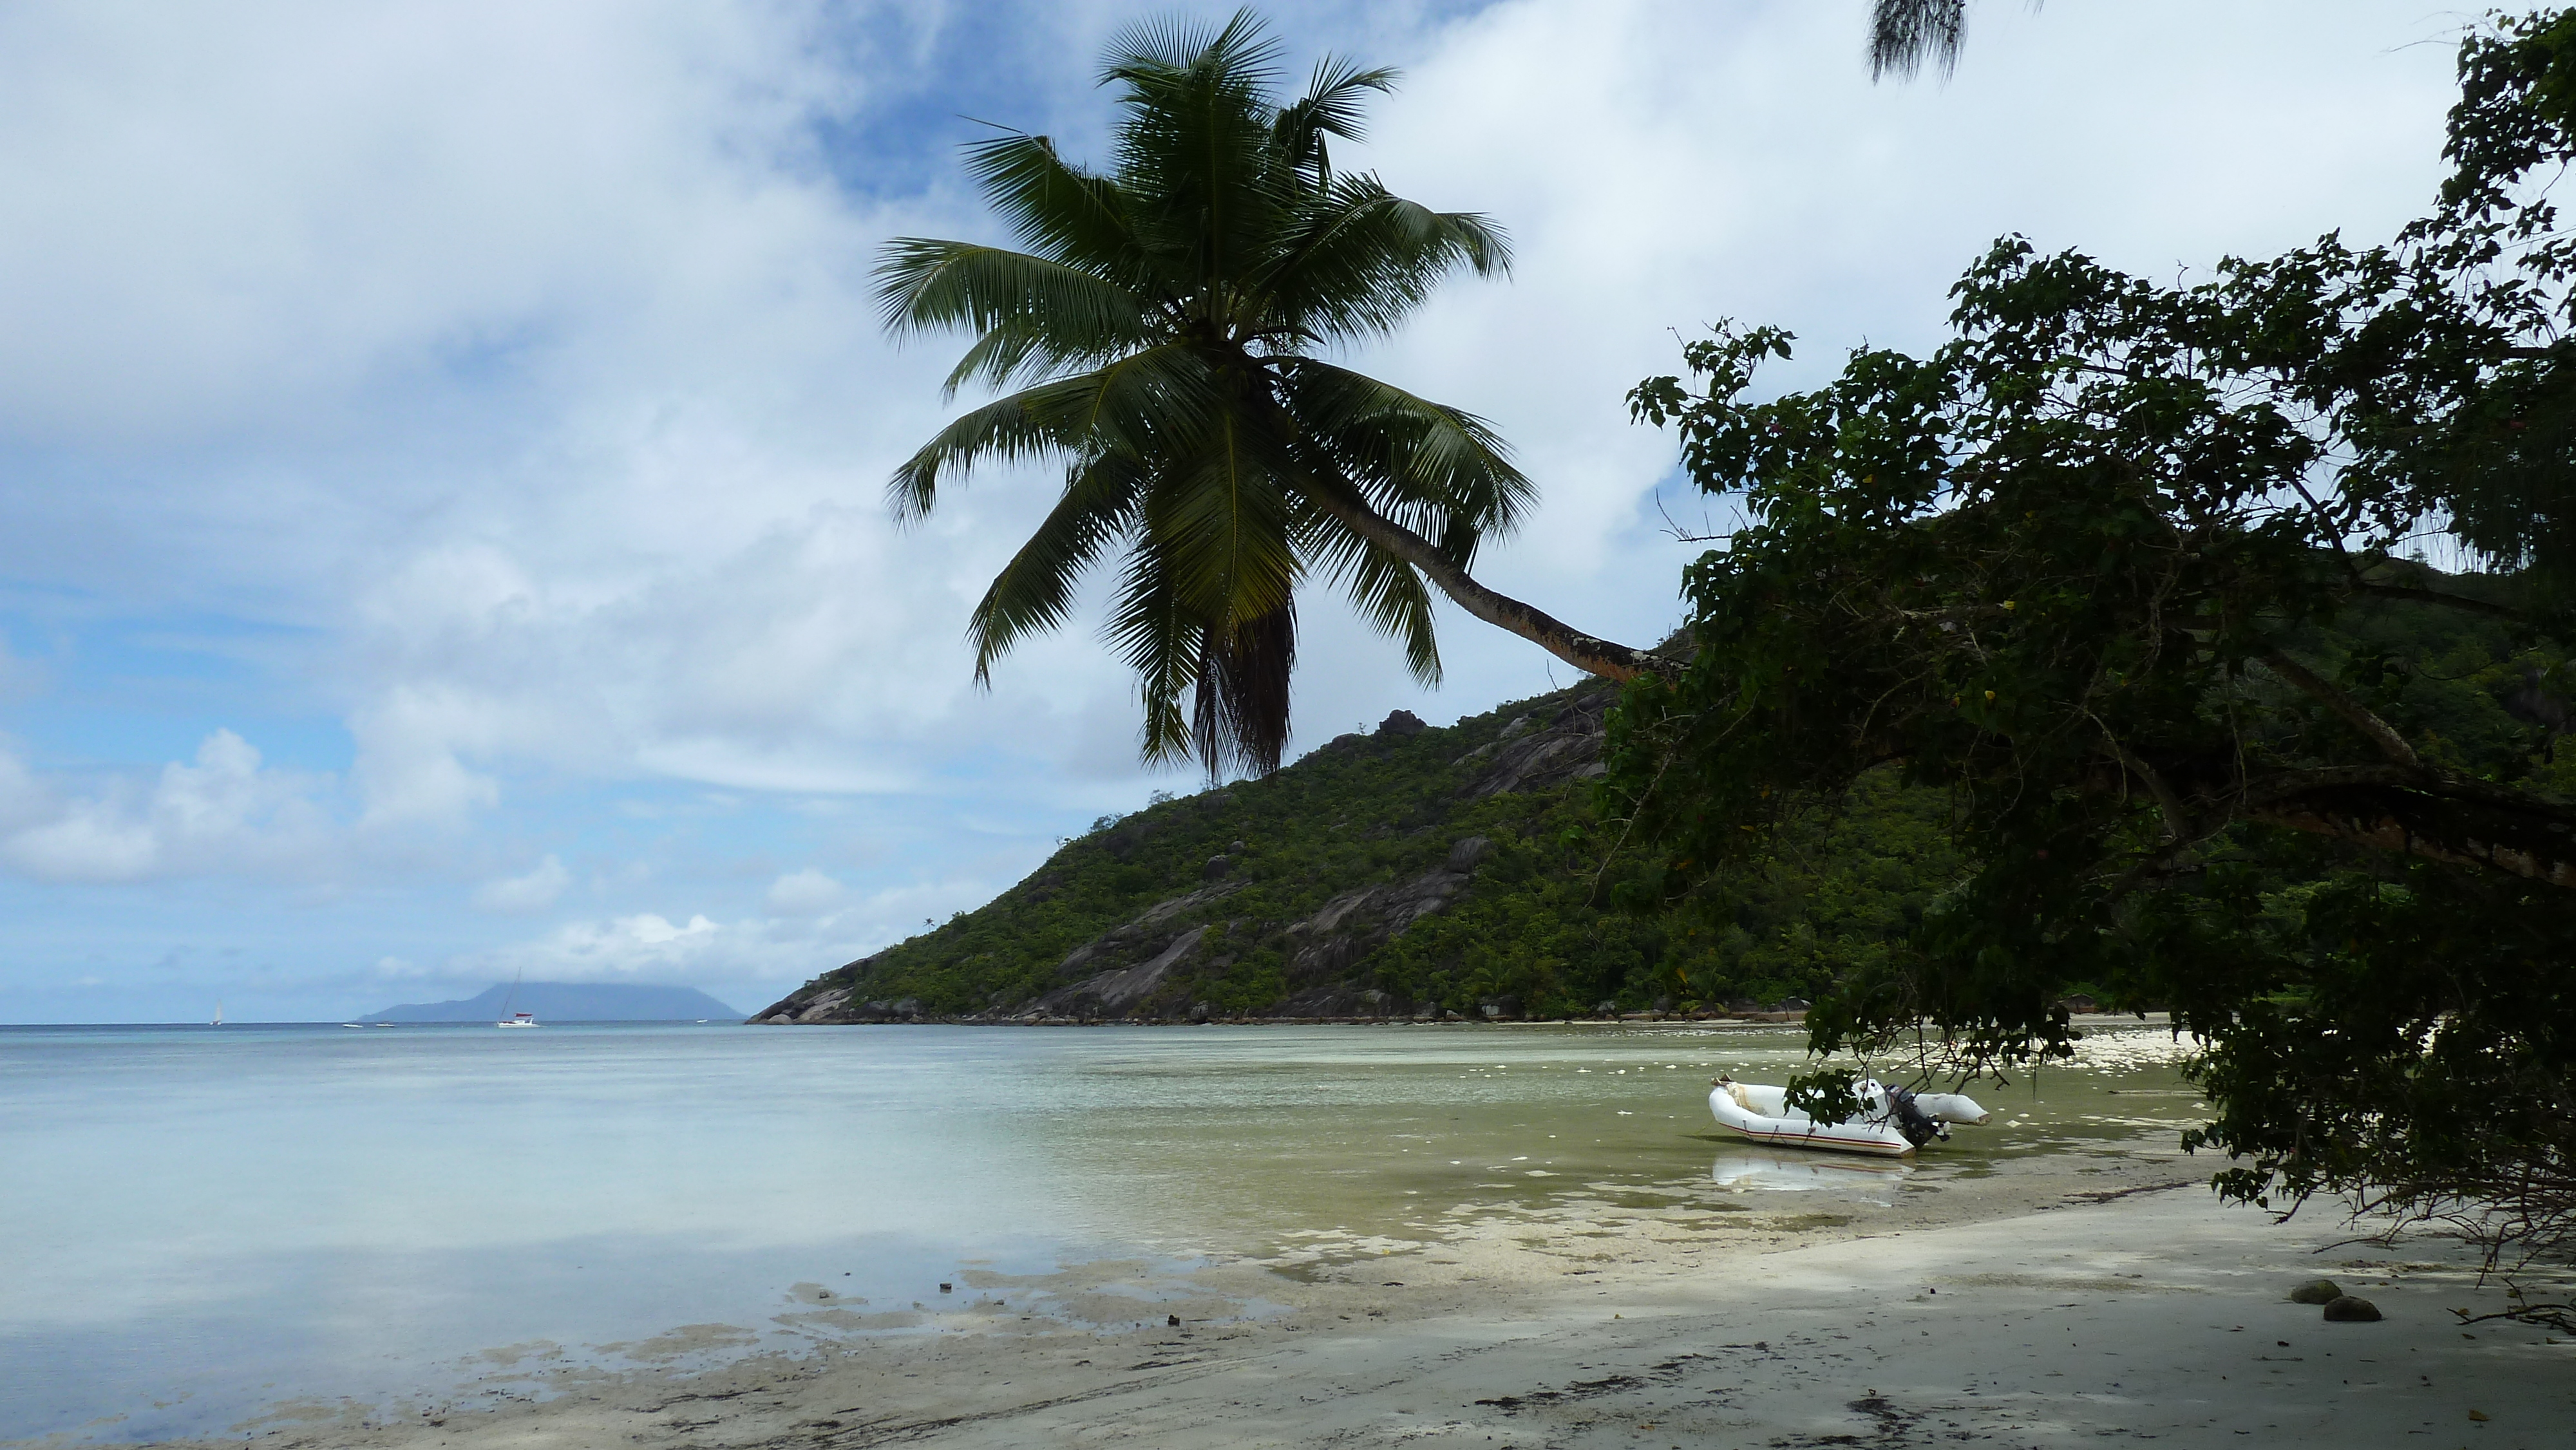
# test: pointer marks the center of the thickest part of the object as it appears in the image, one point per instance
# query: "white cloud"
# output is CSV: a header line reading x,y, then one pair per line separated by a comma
x,y
647,947
224,814
811,923
804,893
535,891
219,217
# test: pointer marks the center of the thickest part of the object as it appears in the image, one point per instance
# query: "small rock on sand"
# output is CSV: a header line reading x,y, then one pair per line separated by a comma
x,y
2351,1309
2316,1291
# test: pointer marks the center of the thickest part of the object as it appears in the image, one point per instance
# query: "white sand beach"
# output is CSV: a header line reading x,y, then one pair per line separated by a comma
x,y
2068,1304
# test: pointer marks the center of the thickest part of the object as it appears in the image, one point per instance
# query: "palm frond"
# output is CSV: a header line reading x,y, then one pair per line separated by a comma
x,y
1054,315
1330,108
1151,51
1007,352
1905,33
1240,719
1146,404
1386,591
1131,406
1056,209
1360,259
1440,471
1162,645
1034,592
1003,430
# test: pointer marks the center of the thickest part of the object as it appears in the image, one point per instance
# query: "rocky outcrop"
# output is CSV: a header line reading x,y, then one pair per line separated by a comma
x,y
1528,756
834,1005
1400,725
1350,926
1118,991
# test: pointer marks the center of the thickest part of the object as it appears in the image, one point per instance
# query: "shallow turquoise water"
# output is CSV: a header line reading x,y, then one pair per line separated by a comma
x,y
197,1222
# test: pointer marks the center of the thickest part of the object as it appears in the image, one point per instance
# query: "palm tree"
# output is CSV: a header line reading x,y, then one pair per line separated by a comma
x,y
1163,321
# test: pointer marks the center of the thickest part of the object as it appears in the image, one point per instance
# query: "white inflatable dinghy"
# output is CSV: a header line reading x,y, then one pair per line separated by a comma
x,y
1763,1114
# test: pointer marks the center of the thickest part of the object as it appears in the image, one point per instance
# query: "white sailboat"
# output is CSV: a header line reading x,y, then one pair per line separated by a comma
x,y
219,1014
516,1019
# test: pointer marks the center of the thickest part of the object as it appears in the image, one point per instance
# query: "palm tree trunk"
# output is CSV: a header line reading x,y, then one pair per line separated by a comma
x,y
1589,653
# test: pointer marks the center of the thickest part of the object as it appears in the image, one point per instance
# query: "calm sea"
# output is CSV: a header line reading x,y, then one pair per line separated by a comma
x,y
199,1222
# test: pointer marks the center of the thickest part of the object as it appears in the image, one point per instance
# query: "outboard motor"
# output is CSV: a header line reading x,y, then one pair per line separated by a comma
x,y
1916,1124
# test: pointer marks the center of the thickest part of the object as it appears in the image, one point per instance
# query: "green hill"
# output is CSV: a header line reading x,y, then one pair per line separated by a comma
x,y
1413,871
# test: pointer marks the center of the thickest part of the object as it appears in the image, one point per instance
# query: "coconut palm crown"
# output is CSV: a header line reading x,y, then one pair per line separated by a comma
x,y
1161,328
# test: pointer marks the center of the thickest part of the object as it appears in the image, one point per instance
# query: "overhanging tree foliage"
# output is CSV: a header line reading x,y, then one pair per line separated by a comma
x,y
2120,566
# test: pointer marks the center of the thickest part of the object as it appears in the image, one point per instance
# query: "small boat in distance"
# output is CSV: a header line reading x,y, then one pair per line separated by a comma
x,y
517,1019
219,1015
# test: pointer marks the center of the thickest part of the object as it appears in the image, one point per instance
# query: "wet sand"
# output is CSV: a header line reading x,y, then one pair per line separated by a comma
x,y
2066,1301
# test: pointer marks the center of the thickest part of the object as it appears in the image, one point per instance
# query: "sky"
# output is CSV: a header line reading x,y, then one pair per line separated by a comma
x,y
443,445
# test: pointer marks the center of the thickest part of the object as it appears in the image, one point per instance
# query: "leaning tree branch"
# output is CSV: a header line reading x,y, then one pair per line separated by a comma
x,y
2379,732
1590,653
2532,840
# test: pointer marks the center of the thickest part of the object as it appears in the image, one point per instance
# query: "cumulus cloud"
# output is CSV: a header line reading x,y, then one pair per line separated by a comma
x,y
222,814
810,922
648,947
535,891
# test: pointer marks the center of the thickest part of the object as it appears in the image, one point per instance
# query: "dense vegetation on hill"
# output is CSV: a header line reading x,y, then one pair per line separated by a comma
x,y
1556,914
1446,869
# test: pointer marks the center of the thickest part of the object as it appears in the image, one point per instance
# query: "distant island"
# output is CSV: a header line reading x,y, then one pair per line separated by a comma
x,y
570,1002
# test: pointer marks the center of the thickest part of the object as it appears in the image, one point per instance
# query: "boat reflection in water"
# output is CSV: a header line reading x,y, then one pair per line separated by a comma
x,y
1754,1170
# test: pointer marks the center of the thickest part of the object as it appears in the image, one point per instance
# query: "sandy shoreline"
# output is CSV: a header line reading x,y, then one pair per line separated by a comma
x,y
2065,1302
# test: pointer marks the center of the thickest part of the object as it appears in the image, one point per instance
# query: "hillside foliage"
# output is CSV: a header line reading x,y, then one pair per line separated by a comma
x,y
1536,931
